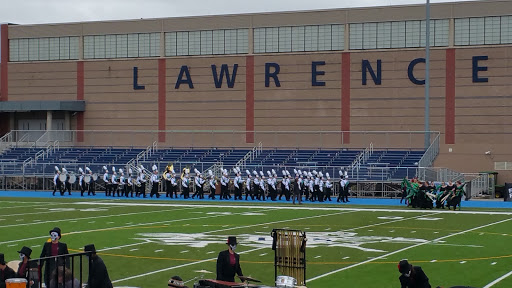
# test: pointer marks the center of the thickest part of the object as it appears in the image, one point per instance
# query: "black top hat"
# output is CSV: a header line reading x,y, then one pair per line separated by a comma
x,y
26,251
231,240
404,266
90,248
2,259
56,229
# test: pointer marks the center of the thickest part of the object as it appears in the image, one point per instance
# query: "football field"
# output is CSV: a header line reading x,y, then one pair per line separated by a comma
x,y
144,243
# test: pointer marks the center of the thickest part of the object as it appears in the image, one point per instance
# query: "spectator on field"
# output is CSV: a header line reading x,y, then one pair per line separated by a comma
x,y
5,271
98,274
64,277
412,276
53,248
228,262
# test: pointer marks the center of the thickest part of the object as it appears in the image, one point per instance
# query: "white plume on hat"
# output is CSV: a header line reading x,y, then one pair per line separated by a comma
x,y
262,174
80,170
305,173
295,171
327,175
309,174
113,169
105,168
255,173
269,174
130,170
154,168
139,169
64,170
248,173
274,172
57,169
284,173
142,167
197,171
320,174
121,170
88,169
341,173
314,172
287,172
210,173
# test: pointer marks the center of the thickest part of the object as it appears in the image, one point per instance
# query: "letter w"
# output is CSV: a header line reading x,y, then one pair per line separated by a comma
x,y
224,70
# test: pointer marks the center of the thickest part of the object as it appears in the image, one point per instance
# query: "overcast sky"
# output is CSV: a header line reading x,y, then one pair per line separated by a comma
x,y
58,11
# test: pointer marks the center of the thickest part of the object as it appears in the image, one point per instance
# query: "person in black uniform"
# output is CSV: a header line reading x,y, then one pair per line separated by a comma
x,y
98,274
5,271
228,262
412,276
24,267
53,248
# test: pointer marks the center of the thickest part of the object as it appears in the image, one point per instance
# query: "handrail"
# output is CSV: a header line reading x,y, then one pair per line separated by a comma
x,y
6,141
430,154
251,155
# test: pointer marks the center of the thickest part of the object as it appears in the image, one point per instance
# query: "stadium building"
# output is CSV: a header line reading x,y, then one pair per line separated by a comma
x,y
237,79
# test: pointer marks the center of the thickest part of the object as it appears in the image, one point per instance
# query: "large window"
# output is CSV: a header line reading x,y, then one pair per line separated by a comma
x,y
207,42
483,30
122,46
399,34
299,38
43,49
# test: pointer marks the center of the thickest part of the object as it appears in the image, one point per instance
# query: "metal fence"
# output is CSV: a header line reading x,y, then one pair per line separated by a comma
x,y
222,138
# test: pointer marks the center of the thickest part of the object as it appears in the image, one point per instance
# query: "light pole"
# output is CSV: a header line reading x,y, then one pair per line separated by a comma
x,y
427,77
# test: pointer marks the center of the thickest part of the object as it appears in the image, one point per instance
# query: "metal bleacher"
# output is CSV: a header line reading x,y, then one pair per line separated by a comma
x,y
382,164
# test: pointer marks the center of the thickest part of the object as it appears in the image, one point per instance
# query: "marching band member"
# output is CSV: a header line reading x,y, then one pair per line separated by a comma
x,y
320,193
198,184
284,186
273,186
91,186
57,184
106,179
263,191
224,180
142,181
248,185
67,184
256,185
155,180
122,183
311,187
129,183
238,183
81,182
316,186
297,186
114,182
328,187
174,183
168,184
212,183
185,181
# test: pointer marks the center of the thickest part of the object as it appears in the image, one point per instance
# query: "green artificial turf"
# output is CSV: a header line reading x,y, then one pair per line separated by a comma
x,y
145,243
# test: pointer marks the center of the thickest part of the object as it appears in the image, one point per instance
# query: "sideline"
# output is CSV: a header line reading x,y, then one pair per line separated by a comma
x,y
404,249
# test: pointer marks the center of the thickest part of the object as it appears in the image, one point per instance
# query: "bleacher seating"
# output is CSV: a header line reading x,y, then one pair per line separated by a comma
x,y
381,165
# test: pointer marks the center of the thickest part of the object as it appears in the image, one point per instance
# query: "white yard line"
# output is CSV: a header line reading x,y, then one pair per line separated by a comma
x,y
403,249
302,207
498,280
119,227
220,230
92,217
123,246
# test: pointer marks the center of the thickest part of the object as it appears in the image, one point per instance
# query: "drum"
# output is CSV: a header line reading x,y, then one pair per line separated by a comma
x,y
87,178
16,283
94,177
72,178
285,282
62,177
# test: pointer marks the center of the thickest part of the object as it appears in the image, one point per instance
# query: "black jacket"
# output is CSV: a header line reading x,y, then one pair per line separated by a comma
x,y
50,263
417,279
98,274
7,274
226,272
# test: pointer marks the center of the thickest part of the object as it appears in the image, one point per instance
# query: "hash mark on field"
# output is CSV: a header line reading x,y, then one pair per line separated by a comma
x,y
186,224
12,245
35,246
224,226
318,256
91,222
134,249
346,257
391,231
211,252
462,262
327,229
480,234
206,225
370,230
494,263
19,220
263,254
433,261
73,221
110,222
413,231
265,227
159,250
129,223
436,232
184,251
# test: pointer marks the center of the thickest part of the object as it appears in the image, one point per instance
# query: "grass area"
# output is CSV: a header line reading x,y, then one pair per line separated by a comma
x,y
144,243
